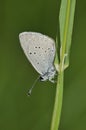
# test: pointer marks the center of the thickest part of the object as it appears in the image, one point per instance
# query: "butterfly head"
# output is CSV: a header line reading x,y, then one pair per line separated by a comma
x,y
49,75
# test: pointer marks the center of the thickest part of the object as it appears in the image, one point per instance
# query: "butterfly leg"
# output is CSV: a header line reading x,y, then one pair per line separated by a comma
x,y
52,80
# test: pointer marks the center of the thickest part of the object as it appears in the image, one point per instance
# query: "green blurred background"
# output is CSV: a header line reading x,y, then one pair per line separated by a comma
x,y
17,111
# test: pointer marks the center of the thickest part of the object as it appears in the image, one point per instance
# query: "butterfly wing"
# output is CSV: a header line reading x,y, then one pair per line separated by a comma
x,y
39,49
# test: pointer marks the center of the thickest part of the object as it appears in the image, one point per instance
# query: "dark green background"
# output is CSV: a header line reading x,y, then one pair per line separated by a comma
x,y
17,111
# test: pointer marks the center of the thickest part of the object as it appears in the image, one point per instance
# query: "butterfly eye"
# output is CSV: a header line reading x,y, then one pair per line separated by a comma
x,y
41,78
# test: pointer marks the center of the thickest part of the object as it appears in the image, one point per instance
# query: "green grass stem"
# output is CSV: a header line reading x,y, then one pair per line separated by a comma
x,y
66,7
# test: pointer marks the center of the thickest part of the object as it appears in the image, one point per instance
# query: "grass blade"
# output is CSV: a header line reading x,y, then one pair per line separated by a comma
x,y
66,19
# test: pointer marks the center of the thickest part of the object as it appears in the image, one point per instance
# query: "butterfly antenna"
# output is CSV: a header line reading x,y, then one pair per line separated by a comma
x,y
30,90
